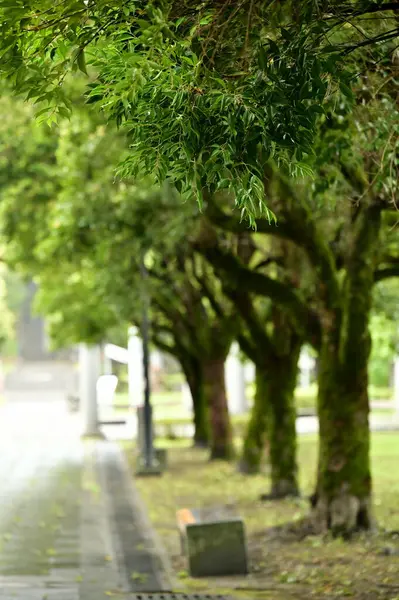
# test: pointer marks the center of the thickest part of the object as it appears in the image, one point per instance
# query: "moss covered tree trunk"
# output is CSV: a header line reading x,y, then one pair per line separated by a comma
x,y
219,420
283,447
200,408
194,373
343,497
273,419
257,431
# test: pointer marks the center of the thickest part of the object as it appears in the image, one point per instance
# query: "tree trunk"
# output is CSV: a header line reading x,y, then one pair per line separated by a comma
x,y
343,497
194,374
256,435
200,409
281,389
215,389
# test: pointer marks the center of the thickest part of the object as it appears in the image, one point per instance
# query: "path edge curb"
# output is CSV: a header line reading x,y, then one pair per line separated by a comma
x,y
167,577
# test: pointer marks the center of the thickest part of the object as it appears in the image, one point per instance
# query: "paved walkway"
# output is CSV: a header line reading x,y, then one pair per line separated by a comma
x,y
71,524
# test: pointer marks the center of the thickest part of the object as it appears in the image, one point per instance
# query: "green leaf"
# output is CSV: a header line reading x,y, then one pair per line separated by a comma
x,y
286,34
346,90
180,21
81,61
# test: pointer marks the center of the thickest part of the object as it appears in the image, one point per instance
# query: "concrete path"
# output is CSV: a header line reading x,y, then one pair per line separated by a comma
x,y
71,524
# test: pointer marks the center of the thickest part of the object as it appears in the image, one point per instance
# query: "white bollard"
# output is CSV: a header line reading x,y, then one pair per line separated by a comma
x,y
106,387
235,382
135,368
305,365
90,368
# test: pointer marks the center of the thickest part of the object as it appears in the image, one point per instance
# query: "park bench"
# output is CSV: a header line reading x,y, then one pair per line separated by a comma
x,y
213,541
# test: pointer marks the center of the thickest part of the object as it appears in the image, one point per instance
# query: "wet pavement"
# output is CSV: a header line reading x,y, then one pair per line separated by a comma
x,y
69,525
40,473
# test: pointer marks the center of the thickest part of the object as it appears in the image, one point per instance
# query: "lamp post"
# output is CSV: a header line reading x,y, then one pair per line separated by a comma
x,y
149,464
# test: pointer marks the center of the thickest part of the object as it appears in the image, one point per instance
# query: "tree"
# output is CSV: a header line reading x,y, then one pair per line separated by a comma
x,y
346,246
208,92
96,230
271,342
203,328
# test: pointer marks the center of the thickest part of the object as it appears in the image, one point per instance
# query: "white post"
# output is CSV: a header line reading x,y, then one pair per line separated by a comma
x,y
135,368
306,364
396,386
107,365
90,367
235,382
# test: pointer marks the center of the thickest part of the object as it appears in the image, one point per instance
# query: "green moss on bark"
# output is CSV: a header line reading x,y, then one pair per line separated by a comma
x,y
281,388
273,419
200,410
256,434
343,497
344,478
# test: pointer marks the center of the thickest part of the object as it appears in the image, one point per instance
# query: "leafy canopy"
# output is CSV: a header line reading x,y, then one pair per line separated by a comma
x,y
208,91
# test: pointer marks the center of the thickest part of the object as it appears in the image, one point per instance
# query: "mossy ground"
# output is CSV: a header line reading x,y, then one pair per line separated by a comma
x,y
284,564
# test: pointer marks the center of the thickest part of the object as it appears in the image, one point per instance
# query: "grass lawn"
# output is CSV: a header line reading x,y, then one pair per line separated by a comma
x,y
283,566
169,411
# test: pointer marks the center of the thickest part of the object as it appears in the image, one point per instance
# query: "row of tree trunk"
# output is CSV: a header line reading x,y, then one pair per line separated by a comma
x,y
343,469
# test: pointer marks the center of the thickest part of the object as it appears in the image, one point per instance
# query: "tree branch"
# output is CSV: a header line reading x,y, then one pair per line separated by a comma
x,y
386,273
162,345
210,295
295,223
246,345
256,329
305,320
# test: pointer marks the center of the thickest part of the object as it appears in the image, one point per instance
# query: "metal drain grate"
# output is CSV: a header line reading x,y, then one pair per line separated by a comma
x,y
176,596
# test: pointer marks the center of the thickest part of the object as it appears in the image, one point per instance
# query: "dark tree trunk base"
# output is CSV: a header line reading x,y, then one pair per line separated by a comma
x,y
201,444
343,515
225,454
282,489
246,468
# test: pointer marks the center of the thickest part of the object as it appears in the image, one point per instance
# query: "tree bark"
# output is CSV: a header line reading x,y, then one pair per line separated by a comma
x,y
256,435
215,389
273,417
283,427
200,408
194,374
343,497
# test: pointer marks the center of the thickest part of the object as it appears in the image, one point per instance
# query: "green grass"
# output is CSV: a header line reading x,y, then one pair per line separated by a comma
x,y
305,398
317,567
169,412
